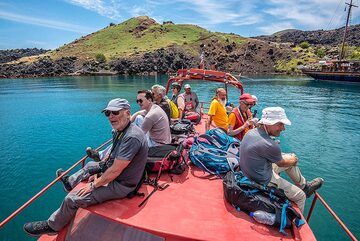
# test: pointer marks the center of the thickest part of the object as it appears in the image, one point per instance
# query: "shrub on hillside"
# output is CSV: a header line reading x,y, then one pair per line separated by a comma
x,y
100,58
320,52
304,45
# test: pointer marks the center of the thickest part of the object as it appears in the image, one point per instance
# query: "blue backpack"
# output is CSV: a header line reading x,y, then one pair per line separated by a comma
x,y
215,152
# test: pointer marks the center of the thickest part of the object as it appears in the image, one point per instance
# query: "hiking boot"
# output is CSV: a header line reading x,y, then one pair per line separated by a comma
x,y
64,180
312,186
93,154
39,228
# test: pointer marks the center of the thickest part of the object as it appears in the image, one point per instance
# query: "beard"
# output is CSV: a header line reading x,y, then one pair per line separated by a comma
x,y
222,102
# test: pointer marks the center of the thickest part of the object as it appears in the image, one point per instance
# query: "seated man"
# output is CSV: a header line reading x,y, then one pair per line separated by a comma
x,y
152,120
121,172
240,119
217,111
158,93
188,101
261,159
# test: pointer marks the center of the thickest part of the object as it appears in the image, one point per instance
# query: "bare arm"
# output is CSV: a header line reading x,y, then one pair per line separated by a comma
x,y
209,122
133,117
288,160
109,175
233,132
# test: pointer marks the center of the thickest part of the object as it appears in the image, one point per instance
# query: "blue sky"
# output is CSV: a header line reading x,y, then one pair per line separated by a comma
x,y
51,23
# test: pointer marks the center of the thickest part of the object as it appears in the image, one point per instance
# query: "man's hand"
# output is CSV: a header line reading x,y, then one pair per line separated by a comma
x,y
85,190
290,157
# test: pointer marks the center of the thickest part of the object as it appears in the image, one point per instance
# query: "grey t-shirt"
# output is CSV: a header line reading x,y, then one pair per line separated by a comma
x,y
157,124
133,148
257,153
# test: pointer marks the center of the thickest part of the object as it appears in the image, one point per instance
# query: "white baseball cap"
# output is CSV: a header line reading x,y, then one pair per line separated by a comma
x,y
117,104
187,86
273,115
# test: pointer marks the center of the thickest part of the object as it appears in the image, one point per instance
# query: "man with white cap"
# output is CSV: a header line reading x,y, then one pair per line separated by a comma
x,y
121,172
191,101
261,159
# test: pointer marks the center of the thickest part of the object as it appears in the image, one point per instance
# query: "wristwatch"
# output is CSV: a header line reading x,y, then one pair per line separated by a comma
x,y
92,186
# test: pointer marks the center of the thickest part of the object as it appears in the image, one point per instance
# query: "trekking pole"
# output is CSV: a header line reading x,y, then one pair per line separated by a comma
x,y
155,184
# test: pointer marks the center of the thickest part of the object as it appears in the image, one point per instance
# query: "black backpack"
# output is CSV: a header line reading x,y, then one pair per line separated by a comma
x,y
248,196
182,127
167,157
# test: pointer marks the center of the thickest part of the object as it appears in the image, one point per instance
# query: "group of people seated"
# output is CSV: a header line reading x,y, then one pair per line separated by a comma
x,y
122,164
261,159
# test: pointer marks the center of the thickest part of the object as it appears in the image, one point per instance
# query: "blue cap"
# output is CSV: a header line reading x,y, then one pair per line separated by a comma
x,y
117,104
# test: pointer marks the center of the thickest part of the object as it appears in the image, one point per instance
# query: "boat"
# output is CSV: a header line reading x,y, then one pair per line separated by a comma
x,y
338,69
190,206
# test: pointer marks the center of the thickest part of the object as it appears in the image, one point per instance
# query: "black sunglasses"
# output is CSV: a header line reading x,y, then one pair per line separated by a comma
x,y
108,112
139,101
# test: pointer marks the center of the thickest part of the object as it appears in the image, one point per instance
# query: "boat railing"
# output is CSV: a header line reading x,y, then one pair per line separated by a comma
x,y
329,209
42,191
82,162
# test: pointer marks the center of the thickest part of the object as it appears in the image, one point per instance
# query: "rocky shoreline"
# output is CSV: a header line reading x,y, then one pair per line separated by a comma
x,y
254,57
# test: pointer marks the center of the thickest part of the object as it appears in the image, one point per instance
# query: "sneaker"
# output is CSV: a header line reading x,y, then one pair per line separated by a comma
x,y
93,154
39,228
64,180
312,186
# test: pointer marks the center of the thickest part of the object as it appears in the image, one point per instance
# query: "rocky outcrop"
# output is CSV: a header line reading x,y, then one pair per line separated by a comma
x,y
322,37
41,68
15,54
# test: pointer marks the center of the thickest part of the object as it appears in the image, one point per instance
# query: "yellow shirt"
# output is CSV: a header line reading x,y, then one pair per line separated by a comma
x,y
232,120
219,115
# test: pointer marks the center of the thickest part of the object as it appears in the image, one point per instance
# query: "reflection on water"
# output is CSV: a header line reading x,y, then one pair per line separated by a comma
x,y
47,123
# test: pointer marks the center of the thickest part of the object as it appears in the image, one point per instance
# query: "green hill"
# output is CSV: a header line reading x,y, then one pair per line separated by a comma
x,y
138,35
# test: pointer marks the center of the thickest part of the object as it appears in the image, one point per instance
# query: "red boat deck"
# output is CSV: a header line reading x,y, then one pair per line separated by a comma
x,y
191,208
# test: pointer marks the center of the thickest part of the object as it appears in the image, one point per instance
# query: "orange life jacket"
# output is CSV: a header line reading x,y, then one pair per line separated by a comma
x,y
241,118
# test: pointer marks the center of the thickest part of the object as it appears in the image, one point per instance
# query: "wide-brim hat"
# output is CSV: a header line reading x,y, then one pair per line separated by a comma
x,y
273,115
117,105
187,86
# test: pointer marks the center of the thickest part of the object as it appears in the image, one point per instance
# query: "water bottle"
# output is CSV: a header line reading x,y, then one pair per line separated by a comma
x,y
263,217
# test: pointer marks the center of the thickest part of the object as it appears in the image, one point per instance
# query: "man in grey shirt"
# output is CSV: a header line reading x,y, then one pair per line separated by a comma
x,y
121,172
152,120
261,159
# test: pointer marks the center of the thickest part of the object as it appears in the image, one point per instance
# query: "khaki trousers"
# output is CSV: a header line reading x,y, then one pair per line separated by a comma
x,y
293,192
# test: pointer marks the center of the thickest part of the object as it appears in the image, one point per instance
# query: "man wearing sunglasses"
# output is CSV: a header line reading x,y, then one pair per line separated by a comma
x,y
123,172
152,120
240,119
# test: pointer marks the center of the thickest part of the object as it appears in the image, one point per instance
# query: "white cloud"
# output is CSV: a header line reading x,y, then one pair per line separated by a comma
x,y
313,14
44,22
110,9
275,27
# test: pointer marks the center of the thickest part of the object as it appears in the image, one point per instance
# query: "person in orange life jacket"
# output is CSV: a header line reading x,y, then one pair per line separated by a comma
x,y
158,92
187,101
217,111
240,119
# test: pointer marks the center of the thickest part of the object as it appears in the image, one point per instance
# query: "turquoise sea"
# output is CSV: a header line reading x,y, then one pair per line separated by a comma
x,y
47,123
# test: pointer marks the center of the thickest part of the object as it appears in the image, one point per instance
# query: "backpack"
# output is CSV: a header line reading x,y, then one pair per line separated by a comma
x,y
246,195
182,127
167,158
174,111
215,152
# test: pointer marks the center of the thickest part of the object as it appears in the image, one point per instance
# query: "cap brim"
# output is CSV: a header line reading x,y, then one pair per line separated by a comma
x,y
268,122
111,109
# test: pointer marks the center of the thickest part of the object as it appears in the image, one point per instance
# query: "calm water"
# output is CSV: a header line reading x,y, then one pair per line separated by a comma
x,y
47,123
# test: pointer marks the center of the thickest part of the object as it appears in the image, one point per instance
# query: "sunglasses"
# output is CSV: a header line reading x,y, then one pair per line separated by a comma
x,y
139,101
108,112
